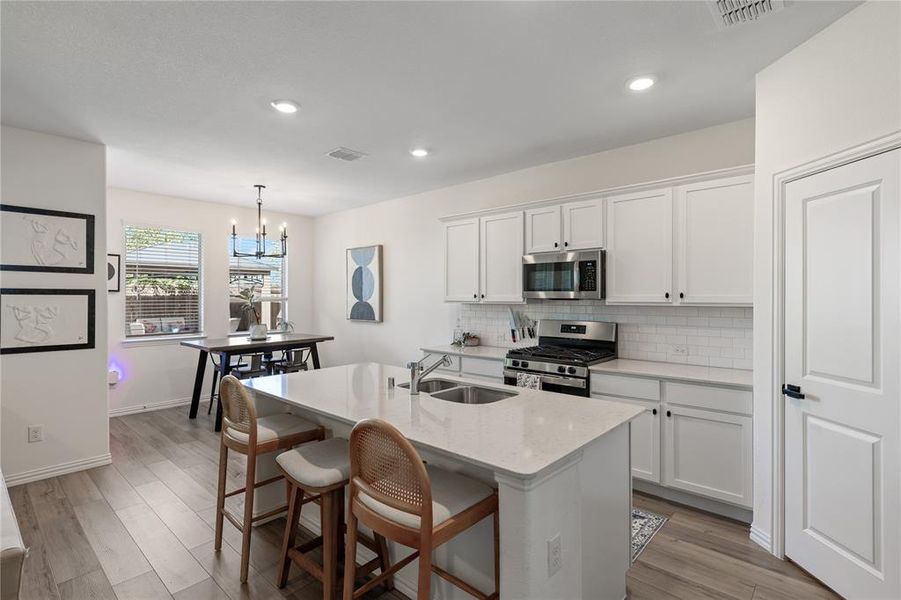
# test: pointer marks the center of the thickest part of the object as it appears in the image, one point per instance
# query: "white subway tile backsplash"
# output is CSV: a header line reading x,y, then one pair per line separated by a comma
x,y
716,337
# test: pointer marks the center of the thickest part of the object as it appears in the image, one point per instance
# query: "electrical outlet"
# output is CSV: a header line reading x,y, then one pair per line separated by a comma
x,y
678,349
35,433
554,555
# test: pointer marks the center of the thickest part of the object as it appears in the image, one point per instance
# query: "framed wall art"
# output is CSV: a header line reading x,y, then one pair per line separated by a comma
x,y
113,278
364,284
51,241
46,320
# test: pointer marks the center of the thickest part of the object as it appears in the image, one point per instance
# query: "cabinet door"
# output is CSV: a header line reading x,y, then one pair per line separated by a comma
x,y
708,453
583,224
640,247
715,241
645,438
543,230
461,261
501,264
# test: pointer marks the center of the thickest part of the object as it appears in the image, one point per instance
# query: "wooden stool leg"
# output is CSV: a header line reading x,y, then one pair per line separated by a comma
x,y
247,525
350,556
295,501
384,563
424,585
220,494
329,545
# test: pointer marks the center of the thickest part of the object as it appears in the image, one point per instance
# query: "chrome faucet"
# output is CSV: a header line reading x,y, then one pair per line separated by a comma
x,y
417,373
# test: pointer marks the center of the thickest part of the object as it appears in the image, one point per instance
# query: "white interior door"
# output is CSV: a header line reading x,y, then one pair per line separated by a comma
x,y
501,264
715,241
543,230
461,261
842,471
583,224
640,247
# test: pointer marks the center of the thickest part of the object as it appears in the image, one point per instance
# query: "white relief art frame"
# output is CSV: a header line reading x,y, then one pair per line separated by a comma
x,y
38,239
46,320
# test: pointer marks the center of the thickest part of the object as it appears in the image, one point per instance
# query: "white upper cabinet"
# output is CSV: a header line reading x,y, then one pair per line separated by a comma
x,y
715,241
501,244
640,247
543,231
571,226
583,224
461,260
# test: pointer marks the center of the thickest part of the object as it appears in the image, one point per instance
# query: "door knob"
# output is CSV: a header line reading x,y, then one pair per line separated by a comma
x,y
792,391
666,295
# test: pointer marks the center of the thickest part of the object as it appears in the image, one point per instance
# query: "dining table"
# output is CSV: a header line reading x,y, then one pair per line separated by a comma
x,y
226,347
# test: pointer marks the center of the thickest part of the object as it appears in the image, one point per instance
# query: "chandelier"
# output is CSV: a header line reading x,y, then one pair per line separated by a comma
x,y
261,234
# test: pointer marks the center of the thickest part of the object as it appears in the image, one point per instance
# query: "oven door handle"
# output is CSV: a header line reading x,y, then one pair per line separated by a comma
x,y
552,379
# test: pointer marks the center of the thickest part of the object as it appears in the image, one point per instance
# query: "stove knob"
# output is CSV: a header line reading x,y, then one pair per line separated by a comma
x,y
571,370
524,364
515,363
561,369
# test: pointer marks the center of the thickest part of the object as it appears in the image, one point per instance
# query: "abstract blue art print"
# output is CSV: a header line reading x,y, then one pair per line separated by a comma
x,y
364,283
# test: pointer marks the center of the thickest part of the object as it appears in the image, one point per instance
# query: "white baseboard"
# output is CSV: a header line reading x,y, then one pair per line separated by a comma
x,y
130,410
707,504
56,470
761,538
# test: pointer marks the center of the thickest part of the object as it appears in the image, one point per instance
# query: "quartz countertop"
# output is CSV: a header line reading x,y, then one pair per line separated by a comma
x,y
660,370
519,436
490,352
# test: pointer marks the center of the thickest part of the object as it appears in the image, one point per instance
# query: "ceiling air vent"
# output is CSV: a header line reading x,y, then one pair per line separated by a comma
x,y
728,13
342,153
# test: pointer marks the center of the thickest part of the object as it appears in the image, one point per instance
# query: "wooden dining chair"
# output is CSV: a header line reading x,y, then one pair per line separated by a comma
x,y
244,432
422,507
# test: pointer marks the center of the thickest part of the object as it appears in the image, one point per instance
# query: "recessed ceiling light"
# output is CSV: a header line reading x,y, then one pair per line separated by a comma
x,y
640,84
284,106
419,152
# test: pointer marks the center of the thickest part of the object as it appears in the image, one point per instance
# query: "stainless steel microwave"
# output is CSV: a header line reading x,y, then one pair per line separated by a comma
x,y
564,275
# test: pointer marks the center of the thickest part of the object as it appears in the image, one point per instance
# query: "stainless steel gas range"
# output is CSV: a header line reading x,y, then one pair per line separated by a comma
x,y
564,352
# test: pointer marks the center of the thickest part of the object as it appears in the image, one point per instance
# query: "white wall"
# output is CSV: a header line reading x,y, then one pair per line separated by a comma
x,y
162,373
839,89
414,310
63,391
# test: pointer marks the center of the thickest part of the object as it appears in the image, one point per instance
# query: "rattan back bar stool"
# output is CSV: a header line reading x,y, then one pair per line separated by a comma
x,y
320,471
422,507
244,432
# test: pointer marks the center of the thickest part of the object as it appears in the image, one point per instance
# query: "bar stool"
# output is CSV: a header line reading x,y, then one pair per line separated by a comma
x,y
393,493
244,432
320,471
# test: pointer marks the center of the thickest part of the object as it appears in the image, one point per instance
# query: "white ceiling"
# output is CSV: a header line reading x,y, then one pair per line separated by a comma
x,y
180,92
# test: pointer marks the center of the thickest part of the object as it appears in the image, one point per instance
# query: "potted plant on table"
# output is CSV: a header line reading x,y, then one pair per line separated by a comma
x,y
258,331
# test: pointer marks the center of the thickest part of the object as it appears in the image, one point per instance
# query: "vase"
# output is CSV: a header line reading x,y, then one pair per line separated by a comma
x,y
259,332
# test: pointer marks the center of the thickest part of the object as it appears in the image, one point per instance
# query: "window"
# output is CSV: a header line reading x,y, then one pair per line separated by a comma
x,y
256,287
162,281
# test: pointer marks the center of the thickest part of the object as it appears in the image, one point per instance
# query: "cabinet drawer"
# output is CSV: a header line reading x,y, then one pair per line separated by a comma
x,y
483,367
630,387
711,397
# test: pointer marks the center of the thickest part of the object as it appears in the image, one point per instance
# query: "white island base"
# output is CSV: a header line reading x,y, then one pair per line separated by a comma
x,y
581,497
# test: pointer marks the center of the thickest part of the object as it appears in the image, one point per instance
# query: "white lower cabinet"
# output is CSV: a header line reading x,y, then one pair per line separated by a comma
x,y
691,437
708,453
645,439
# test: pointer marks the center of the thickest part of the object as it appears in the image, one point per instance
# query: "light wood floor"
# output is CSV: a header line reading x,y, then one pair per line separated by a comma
x,y
141,529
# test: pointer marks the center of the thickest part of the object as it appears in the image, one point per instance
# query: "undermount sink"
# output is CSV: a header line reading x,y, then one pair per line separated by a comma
x,y
429,386
471,394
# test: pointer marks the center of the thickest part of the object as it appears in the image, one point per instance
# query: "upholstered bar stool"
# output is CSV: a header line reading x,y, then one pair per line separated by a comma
x,y
422,507
320,471
244,432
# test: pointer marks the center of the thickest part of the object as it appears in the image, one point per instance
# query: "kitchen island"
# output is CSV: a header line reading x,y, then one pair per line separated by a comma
x,y
560,463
